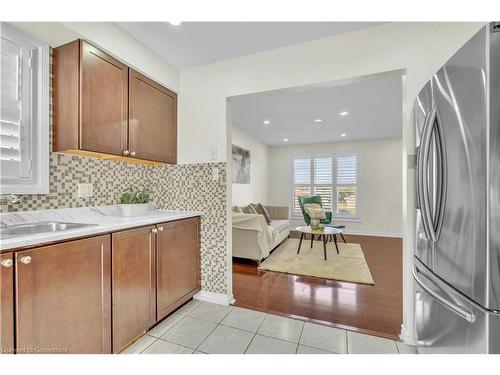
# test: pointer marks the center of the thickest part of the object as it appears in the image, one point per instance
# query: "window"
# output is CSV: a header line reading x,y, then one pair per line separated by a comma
x,y
24,113
346,186
334,178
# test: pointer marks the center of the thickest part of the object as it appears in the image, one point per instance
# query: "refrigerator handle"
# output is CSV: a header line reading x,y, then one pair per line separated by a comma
x,y
459,310
423,190
443,175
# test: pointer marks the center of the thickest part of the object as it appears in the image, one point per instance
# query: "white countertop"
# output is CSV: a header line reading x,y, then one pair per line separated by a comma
x,y
106,217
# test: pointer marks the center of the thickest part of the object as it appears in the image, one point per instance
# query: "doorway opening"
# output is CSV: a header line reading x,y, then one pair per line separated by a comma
x,y
339,145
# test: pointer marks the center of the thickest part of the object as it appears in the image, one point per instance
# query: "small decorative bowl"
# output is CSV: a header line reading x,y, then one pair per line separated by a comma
x,y
315,224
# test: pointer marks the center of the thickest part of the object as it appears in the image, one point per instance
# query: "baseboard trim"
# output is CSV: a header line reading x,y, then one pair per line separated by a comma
x,y
375,234
218,298
406,338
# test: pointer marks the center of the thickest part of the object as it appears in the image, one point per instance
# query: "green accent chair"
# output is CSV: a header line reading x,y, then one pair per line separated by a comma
x,y
327,221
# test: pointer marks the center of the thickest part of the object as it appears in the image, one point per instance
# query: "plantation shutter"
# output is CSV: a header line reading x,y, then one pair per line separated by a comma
x,y
346,189
15,94
346,170
333,178
302,181
302,171
322,171
323,178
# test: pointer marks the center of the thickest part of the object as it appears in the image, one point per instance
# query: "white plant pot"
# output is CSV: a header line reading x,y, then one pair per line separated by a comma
x,y
132,210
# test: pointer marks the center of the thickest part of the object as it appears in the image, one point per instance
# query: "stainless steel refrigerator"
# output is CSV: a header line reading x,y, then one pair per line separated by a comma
x,y
457,251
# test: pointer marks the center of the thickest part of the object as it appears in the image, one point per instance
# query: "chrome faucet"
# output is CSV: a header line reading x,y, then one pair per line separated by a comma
x,y
11,198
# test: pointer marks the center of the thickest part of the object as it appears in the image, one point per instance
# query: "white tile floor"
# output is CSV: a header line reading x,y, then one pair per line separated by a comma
x,y
202,327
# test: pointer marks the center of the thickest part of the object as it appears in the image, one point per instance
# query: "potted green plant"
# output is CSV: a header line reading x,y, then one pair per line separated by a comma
x,y
135,202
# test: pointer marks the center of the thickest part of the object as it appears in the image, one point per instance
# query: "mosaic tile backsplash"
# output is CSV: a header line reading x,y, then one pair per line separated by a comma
x,y
176,187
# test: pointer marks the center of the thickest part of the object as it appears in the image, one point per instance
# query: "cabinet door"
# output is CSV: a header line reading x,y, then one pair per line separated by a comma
x,y
63,299
104,102
152,120
134,284
6,303
178,263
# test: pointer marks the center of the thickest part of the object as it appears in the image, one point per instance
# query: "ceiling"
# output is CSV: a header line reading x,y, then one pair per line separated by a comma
x,y
197,43
374,109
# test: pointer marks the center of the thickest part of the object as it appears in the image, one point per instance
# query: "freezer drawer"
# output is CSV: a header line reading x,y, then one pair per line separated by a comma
x,y
448,322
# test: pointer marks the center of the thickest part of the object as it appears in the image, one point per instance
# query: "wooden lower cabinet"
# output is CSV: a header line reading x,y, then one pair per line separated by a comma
x,y
6,303
98,294
63,297
133,284
177,264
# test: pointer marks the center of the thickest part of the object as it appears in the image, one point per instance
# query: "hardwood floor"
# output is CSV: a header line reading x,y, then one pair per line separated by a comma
x,y
374,309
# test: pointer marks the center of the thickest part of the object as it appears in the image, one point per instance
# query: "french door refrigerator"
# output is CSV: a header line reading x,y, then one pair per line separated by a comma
x,y
457,251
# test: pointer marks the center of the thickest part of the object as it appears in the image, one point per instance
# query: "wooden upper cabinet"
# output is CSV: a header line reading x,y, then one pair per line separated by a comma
x,y
152,119
66,97
134,284
6,303
104,102
63,297
102,106
177,264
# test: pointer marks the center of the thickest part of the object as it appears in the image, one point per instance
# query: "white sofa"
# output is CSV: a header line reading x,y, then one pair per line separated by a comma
x,y
253,238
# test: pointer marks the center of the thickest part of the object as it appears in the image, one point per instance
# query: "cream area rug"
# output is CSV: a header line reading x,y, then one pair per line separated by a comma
x,y
350,265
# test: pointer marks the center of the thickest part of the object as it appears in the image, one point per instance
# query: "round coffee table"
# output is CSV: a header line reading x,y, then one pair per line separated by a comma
x,y
325,234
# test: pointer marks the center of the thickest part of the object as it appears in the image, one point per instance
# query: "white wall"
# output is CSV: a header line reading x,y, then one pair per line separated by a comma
x,y
379,186
419,48
256,191
110,38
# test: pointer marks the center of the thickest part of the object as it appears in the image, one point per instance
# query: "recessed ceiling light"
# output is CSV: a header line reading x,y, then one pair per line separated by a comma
x,y
175,23
343,134
318,120
267,122
344,113
285,139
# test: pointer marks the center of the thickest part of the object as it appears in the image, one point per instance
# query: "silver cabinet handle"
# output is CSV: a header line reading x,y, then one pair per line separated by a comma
x,y
132,153
126,152
25,259
154,230
459,310
6,263
160,229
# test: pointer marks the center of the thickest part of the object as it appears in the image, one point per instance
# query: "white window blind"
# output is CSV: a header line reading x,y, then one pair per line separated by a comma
x,y
346,170
14,110
333,178
346,189
24,113
322,171
302,175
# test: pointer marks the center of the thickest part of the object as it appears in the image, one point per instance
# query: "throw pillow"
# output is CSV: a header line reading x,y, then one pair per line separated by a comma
x,y
237,209
248,210
255,207
315,211
262,210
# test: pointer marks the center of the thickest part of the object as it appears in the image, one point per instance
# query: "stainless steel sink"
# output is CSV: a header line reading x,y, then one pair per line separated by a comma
x,y
16,230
